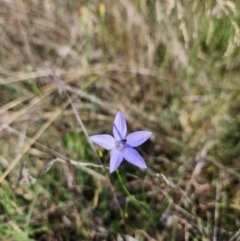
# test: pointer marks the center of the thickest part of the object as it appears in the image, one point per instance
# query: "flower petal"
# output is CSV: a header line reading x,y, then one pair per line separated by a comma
x,y
119,127
137,138
105,141
132,156
115,160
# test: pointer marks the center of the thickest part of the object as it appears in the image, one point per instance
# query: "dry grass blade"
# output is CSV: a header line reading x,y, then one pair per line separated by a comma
x,y
15,103
27,76
35,101
34,138
78,164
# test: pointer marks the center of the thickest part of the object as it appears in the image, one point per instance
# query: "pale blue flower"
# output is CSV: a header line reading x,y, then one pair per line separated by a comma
x,y
121,146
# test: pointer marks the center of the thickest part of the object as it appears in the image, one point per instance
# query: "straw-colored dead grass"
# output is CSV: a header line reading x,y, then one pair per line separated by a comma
x,y
171,67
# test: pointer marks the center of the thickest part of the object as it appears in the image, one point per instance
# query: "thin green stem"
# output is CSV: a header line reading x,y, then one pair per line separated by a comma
x,y
130,196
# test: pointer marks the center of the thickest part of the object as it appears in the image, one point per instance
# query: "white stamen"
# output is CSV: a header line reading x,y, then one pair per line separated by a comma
x,y
119,145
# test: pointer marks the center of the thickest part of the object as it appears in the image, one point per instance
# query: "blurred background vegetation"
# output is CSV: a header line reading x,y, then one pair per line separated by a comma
x,y
172,67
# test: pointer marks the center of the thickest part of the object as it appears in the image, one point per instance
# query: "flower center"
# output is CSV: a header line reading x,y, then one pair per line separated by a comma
x,y
119,145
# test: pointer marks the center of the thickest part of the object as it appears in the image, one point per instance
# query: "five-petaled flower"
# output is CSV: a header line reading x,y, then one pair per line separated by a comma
x,y
121,146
